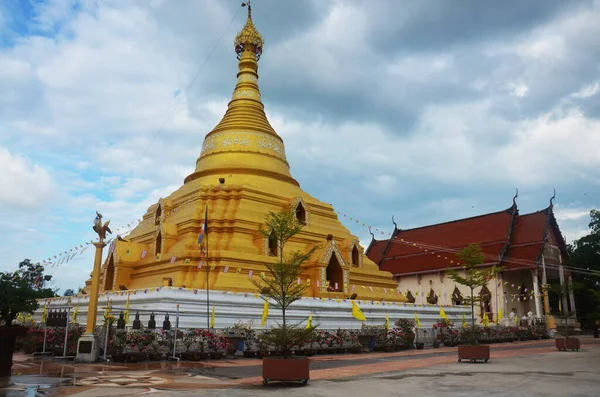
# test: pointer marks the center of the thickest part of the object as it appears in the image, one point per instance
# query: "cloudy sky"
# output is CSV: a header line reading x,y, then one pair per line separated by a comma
x,y
427,110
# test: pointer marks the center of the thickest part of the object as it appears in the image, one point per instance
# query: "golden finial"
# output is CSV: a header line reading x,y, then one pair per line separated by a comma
x,y
249,38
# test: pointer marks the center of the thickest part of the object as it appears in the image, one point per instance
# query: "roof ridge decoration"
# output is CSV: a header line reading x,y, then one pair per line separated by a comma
x,y
511,228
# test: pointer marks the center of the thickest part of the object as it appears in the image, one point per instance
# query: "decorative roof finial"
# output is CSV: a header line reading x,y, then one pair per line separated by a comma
x,y
371,233
248,38
394,222
515,198
552,198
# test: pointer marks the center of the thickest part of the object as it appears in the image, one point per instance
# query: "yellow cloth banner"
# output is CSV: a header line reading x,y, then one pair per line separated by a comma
x,y
500,316
126,314
387,321
443,314
74,315
516,320
357,313
265,314
464,321
45,314
417,322
212,317
309,321
485,321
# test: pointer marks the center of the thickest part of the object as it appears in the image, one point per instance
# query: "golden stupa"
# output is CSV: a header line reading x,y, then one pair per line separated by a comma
x,y
241,174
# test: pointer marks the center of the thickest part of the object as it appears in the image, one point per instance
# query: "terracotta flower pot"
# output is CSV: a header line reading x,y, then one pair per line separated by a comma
x,y
569,343
473,353
216,355
293,369
8,336
249,354
118,358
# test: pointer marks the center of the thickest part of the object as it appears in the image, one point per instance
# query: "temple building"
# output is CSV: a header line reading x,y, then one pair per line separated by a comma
x,y
528,249
242,173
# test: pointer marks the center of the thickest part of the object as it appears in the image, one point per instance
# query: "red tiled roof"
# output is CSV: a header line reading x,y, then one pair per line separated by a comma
x,y
376,249
432,248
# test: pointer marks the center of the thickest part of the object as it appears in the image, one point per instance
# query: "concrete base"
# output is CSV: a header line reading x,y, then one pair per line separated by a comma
x,y
87,349
232,308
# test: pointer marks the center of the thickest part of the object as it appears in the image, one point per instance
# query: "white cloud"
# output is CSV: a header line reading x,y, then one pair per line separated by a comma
x,y
25,186
587,91
91,100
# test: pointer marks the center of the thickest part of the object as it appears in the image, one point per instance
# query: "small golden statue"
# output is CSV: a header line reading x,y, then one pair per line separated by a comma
x,y
100,228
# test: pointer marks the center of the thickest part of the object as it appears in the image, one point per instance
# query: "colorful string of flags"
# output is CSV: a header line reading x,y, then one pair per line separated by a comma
x,y
68,254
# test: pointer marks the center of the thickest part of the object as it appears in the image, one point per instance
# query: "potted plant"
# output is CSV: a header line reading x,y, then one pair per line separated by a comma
x,y
281,289
474,277
19,293
119,341
566,341
405,327
218,345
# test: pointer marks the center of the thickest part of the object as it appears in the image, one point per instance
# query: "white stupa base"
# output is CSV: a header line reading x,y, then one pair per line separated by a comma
x,y
232,308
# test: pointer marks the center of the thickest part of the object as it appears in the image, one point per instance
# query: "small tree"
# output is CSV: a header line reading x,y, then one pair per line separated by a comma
x,y
563,291
472,257
281,286
19,291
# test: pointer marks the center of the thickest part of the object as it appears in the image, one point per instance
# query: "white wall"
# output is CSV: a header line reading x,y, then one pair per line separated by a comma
x,y
231,308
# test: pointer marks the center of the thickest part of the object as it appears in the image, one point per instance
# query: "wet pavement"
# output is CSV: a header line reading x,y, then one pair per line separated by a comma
x,y
44,376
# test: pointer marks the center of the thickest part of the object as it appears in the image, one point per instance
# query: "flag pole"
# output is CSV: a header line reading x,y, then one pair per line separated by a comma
x,y
207,270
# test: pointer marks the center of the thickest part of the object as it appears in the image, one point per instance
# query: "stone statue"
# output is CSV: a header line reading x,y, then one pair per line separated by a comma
x,y
529,318
166,323
137,324
152,322
100,228
121,321
511,319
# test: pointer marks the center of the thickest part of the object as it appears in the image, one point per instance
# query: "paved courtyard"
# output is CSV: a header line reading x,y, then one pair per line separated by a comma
x,y
516,369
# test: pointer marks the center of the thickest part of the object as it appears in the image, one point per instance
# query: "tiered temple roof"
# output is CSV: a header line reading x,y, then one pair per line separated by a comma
x,y
507,239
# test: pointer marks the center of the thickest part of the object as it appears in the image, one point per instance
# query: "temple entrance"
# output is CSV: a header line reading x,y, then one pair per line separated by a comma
x,y
486,306
335,275
109,274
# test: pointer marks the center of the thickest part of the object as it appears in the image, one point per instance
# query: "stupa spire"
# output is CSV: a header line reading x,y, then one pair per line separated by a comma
x,y
244,142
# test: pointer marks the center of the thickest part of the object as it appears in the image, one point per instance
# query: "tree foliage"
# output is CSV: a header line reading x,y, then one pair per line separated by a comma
x,y
472,257
584,253
280,286
20,290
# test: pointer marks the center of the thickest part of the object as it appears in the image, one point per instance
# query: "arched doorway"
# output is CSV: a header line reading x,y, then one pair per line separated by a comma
x,y
301,214
335,274
486,297
273,245
109,274
355,256
158,244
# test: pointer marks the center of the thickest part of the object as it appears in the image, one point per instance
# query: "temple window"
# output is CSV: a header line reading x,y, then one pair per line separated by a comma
x,y
272,245
410,297
355,256
335,274
457,298
158,214
301,214
158,244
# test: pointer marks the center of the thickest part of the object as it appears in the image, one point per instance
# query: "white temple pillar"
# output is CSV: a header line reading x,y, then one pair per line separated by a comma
x,y
561,275
572,296
536,292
